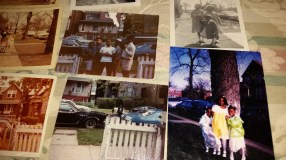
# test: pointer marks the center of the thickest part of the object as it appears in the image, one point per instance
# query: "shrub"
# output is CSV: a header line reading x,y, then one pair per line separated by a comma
x,y
106,103
88,104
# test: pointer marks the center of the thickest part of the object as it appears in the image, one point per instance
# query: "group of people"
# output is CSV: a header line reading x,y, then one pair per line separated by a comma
x,y
219,124
99,56
206,23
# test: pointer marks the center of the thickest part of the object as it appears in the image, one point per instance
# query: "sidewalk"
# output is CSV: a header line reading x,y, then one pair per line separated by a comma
x,y
185,38
65,146
10,59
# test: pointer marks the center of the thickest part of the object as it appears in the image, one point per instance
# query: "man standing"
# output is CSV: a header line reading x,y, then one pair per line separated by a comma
x,y
97,56
127,55
107,52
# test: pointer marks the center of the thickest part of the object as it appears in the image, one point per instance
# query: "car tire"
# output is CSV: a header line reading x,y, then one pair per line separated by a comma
x,y
90,123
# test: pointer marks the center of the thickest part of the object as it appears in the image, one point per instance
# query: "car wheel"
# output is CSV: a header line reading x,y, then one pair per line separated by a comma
x,y
90,123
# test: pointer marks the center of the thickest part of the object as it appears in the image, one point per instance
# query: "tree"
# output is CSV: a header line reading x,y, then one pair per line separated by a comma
x,y
225,76
185,6
3,20
17,21
52,33
28,22
194,61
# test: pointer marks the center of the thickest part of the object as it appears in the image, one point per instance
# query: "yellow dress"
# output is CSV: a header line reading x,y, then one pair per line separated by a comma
x,y
219,124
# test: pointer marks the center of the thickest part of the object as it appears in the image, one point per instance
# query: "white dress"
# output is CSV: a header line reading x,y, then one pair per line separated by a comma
x,y
210,139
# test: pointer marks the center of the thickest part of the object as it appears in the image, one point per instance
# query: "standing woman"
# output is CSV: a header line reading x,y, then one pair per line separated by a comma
x,y
219,123
197,16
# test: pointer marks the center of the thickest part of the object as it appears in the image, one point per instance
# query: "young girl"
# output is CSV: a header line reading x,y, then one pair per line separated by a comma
x,y
210,140
236,141
219,124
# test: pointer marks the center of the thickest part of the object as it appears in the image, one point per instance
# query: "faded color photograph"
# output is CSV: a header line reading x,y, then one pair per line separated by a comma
x,y
109,44
101,2
208,24
23,108
26,2
110,120
27,38
217,106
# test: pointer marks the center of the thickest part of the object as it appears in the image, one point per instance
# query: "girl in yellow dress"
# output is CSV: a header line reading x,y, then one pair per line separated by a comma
x,y
219,124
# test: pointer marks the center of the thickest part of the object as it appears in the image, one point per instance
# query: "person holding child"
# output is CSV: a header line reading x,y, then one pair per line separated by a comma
x,y
236,141
205,123
219,124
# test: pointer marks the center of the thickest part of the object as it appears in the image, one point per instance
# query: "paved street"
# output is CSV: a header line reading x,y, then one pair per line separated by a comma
x,y
65,146
185,38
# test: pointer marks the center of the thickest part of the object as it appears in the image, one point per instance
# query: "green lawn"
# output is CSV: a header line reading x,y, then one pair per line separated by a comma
x,y
185,141
90,136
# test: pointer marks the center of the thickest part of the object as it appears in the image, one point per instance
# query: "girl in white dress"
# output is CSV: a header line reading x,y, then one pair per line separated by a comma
x,y
205,123
236,141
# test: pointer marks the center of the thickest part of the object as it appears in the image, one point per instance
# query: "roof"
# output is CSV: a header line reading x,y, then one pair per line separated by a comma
x,y
254,67
4,89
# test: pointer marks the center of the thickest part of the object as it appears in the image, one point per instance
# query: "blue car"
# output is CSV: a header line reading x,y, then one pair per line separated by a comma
x,y
151,116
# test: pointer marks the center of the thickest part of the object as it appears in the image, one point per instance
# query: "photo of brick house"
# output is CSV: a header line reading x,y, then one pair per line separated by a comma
x,y
23,106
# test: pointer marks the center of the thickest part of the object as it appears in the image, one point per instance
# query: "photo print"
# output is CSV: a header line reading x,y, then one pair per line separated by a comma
x,y
24,103
109,44
208,24
90,4
110,120
28,38
217,106
26,2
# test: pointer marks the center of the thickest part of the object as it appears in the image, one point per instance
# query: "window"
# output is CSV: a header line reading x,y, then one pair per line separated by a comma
x,y
8,109
11,93
65,107
79,87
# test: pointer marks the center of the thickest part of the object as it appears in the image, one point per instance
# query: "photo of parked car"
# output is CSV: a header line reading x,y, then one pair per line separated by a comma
x,y
71,114
149,116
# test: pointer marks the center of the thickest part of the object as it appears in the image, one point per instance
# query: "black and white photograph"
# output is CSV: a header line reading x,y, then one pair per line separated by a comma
x,y
109,44
28,37
26,2
208,24
102,119
217,106
24,104
89,4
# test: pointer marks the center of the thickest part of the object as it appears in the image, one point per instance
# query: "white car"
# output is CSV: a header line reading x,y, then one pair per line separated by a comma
x,y
41,35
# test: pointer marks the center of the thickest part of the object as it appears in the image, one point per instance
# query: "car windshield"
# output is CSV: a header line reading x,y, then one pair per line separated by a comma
x,y
67,107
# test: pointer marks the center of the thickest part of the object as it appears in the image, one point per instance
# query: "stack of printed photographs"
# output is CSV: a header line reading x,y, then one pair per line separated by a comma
x,y
97,83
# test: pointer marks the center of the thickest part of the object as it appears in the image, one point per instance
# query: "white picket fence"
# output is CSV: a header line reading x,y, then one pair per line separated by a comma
x,y
68,63
27,138
128,141
146,67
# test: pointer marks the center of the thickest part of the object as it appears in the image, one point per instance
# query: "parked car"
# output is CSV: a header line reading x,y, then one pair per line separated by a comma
x,y
146,49
41,35
74,115
141,109
192,108
76,41
150,116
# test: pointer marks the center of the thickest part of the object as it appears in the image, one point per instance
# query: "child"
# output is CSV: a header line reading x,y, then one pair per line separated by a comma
x,y
236,141
210,140
210,10
211,30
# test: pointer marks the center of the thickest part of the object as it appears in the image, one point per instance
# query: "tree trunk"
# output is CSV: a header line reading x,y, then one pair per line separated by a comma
x,y
52,33
191,69
225,76
29,16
